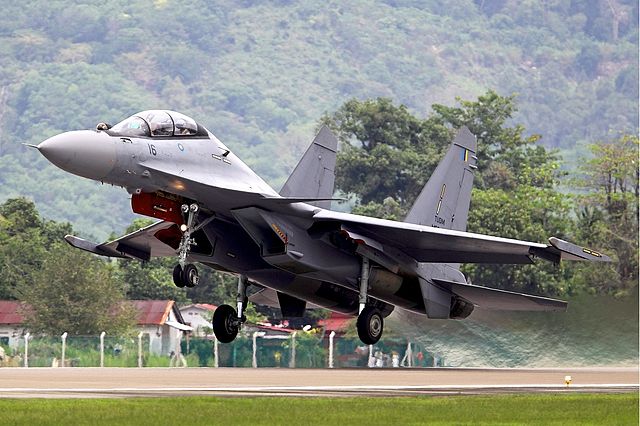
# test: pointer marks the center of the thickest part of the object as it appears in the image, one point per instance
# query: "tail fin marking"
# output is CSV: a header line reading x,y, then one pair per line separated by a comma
x,y
444,200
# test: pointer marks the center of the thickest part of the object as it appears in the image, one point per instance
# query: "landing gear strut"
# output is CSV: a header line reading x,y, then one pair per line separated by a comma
x,y
187,229
226,320
186,274
370,323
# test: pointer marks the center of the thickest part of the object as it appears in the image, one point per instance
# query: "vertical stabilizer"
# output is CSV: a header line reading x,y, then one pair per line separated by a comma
x,y
314,176
444,200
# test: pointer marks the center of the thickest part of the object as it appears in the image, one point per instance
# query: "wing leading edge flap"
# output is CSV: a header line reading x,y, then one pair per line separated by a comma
x,y
491,298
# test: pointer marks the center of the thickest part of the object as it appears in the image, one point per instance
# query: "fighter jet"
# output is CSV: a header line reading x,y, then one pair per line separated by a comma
x,y
214,210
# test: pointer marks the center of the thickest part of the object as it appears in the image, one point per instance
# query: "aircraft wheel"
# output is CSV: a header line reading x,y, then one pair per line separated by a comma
x,y
225,323
177,276
370,325
190,276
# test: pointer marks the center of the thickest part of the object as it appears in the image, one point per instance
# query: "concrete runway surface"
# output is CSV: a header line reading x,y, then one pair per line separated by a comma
x,y
149,382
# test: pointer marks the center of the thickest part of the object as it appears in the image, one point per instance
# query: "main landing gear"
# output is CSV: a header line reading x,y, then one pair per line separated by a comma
x,y
226,320
370,323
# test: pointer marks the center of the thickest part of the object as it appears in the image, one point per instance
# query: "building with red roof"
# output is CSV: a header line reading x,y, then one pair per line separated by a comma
x,y
163,322
336,322
11,319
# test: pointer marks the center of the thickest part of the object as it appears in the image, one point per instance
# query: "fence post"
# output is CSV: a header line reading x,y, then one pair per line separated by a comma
x,y
64,346
102,349
27,336
331,336
292,361
215,352
254,359
140,350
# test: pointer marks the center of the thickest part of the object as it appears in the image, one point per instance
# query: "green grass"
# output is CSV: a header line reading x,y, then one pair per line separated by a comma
x,y
560,409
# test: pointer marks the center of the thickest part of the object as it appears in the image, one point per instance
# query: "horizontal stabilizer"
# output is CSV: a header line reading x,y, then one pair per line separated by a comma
x,y
491,298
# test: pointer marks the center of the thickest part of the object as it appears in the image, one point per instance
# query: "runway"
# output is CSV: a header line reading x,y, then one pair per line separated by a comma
x,y
150,382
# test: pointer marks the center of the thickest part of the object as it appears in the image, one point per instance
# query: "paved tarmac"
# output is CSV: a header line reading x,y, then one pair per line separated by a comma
x,y
149,382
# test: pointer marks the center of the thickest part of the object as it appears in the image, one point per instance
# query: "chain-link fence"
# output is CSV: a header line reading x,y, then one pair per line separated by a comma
x,y
257,349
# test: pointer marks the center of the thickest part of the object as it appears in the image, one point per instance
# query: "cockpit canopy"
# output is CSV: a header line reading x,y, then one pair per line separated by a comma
x,y
158,123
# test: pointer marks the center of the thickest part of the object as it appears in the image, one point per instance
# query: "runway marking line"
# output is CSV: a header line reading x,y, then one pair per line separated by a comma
x,y
325,388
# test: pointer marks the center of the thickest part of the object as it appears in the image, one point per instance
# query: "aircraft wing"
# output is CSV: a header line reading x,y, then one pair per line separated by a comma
x,y
492,298
436,245
142,244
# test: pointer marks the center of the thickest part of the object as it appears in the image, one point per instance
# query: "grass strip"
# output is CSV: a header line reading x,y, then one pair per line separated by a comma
x,y
565,409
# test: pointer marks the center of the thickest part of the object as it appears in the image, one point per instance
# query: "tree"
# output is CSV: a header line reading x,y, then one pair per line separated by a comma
x,y
75,292
387,155
385,150
608,214
25,239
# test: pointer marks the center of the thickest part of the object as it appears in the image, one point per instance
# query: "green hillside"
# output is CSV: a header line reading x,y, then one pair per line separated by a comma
x,y
260,74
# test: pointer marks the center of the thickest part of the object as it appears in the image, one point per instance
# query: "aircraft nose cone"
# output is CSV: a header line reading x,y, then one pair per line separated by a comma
x,y
85,153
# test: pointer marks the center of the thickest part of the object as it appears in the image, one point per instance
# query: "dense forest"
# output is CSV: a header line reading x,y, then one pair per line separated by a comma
x,y
261,74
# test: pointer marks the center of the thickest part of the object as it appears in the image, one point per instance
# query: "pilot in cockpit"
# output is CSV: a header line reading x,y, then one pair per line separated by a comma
x,y
155,123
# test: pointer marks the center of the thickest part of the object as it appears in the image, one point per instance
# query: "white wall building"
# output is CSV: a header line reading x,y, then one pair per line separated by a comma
x,y
163,322
11,328
199,316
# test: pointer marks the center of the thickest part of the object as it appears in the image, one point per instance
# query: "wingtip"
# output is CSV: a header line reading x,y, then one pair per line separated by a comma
x,y
576,252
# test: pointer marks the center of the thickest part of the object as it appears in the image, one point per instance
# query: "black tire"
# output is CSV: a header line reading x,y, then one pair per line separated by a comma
x,y
370,325
190,276
225,323
177,276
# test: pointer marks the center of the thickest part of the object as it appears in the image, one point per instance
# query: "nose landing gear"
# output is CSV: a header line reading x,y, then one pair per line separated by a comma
x,y
186,274
186,277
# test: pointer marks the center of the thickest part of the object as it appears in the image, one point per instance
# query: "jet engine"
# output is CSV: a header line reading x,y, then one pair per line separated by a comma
x,y
460,308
